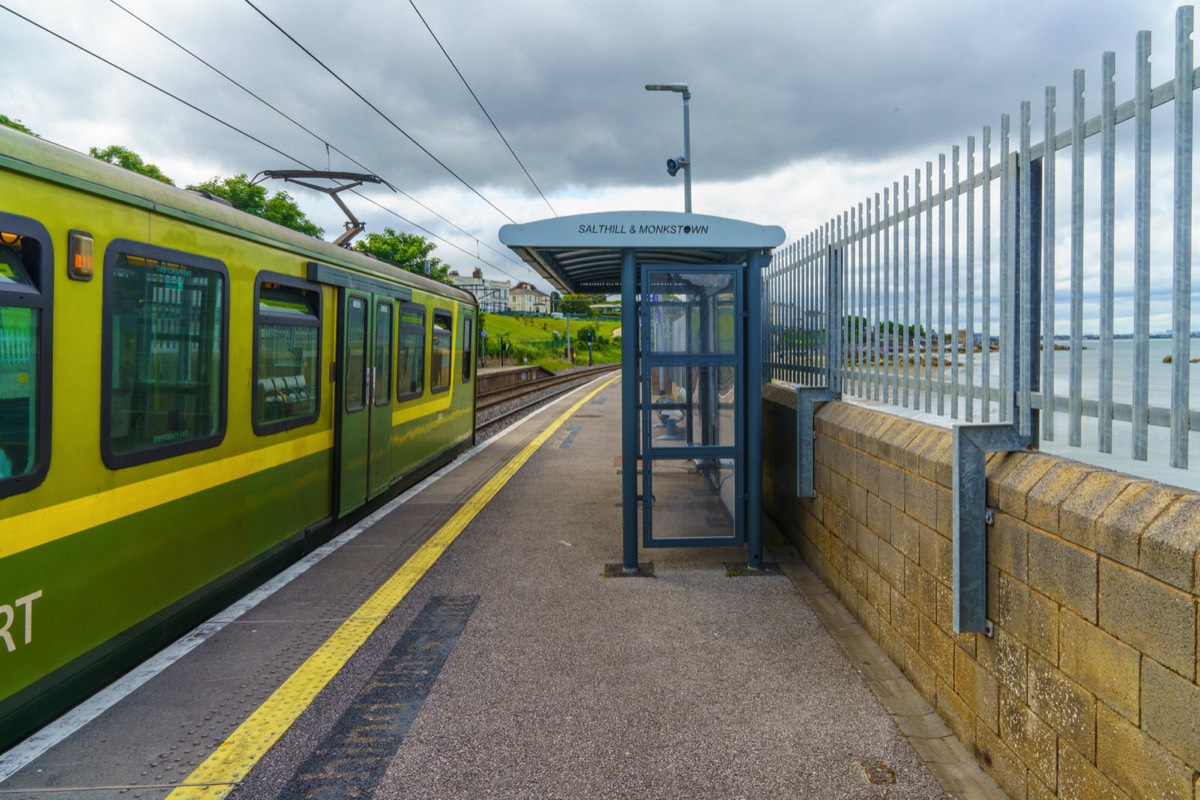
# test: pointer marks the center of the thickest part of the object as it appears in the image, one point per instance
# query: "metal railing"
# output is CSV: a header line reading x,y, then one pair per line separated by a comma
x,y
941,295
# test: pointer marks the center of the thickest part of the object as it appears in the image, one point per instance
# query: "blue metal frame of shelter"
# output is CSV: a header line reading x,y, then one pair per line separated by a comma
x,y
601,254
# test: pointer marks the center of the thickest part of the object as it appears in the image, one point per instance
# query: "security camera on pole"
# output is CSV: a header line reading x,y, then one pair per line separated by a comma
x,y
684,161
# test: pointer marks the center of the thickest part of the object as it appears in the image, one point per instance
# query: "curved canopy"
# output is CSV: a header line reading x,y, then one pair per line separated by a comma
x,y
581,254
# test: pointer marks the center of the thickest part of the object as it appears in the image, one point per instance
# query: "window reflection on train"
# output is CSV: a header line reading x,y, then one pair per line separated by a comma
x,y
166,353
18,358
287,357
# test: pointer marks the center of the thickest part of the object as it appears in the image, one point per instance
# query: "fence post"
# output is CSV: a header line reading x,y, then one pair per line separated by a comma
x,y
1181,286
1028,286
833,320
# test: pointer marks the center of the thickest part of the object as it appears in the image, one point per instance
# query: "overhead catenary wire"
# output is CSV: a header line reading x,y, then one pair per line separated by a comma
x,y
480,104
222,74
476,256
329,146
238,130
378,111
157,88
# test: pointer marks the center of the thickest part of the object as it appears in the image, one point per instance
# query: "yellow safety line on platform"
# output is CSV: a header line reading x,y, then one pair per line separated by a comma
x,y
232,760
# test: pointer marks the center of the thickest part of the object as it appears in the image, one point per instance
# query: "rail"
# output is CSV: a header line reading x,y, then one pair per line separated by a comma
x,y
492,407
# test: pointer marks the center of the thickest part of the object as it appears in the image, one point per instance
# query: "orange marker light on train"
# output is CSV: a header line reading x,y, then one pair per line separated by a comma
x,y
79,256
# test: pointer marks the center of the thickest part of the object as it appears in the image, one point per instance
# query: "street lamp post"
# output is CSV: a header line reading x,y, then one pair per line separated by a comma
x,y
684,163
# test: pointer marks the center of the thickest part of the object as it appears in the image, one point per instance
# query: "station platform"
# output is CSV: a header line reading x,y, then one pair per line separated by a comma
x,y
464,642
501,377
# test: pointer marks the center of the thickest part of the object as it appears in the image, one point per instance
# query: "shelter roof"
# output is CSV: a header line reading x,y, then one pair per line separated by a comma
x,y
581,254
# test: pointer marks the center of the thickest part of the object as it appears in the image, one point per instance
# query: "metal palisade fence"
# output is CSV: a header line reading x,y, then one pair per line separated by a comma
x,y
942,293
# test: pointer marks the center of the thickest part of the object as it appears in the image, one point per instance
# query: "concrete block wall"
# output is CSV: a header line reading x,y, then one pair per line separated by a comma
x,y
1089,687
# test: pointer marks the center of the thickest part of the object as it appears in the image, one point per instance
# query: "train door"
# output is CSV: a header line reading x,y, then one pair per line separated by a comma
x,y
379,463
365,410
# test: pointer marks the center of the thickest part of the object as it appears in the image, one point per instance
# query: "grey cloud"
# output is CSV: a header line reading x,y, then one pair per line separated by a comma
x,y
774,82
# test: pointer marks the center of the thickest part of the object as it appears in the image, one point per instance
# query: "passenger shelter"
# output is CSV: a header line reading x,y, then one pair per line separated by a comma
x,y
691,360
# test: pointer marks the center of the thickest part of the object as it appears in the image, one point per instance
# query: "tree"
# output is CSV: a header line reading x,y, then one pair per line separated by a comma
x,y
126,158
15,124
407,251
578,303
279,208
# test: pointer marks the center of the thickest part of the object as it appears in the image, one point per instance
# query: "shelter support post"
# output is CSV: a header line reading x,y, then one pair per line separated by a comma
x,y
629,412
756,263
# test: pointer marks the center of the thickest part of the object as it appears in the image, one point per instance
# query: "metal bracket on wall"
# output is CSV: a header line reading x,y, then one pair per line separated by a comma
x,y
972,443
806,433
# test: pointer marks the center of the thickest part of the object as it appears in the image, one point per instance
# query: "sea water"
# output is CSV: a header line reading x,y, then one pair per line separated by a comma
x,y
1157,467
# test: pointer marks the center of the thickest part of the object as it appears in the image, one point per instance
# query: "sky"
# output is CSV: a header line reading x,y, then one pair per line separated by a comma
x,y
799,109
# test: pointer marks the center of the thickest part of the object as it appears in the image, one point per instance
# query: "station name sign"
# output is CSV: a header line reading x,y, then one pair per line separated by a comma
x,y
655,230
605,229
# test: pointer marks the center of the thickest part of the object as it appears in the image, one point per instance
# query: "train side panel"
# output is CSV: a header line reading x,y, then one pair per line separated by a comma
x,y
110,554
106,563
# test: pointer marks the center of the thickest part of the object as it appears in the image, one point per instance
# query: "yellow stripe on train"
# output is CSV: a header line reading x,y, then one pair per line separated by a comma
x,y
44,525
408,413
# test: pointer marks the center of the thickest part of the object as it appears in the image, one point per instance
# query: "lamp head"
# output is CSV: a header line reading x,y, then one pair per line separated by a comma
x,y
667,87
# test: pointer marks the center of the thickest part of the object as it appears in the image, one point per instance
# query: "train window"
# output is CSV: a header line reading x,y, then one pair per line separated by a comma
x,y
287,353
19,339
440,351
356,353
468,339
410,355
383,353
164,364
13,271
25,324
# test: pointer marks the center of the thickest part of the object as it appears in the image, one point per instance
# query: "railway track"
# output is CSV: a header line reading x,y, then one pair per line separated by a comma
x,y
501,407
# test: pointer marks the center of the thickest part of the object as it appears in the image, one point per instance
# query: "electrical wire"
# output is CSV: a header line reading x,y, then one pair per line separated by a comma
x,y
480,104
376,109
140,79
326,143
246,134
219,72
475,256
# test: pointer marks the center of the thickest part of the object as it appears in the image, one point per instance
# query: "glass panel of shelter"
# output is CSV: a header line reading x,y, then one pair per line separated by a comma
x,y
690,371
691,312
693,406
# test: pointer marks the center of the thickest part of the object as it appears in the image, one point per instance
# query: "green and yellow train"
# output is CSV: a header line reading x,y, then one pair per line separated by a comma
x,y
190,398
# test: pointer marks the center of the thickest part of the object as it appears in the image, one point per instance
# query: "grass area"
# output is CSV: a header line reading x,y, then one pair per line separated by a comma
x,y
542,340
542,329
